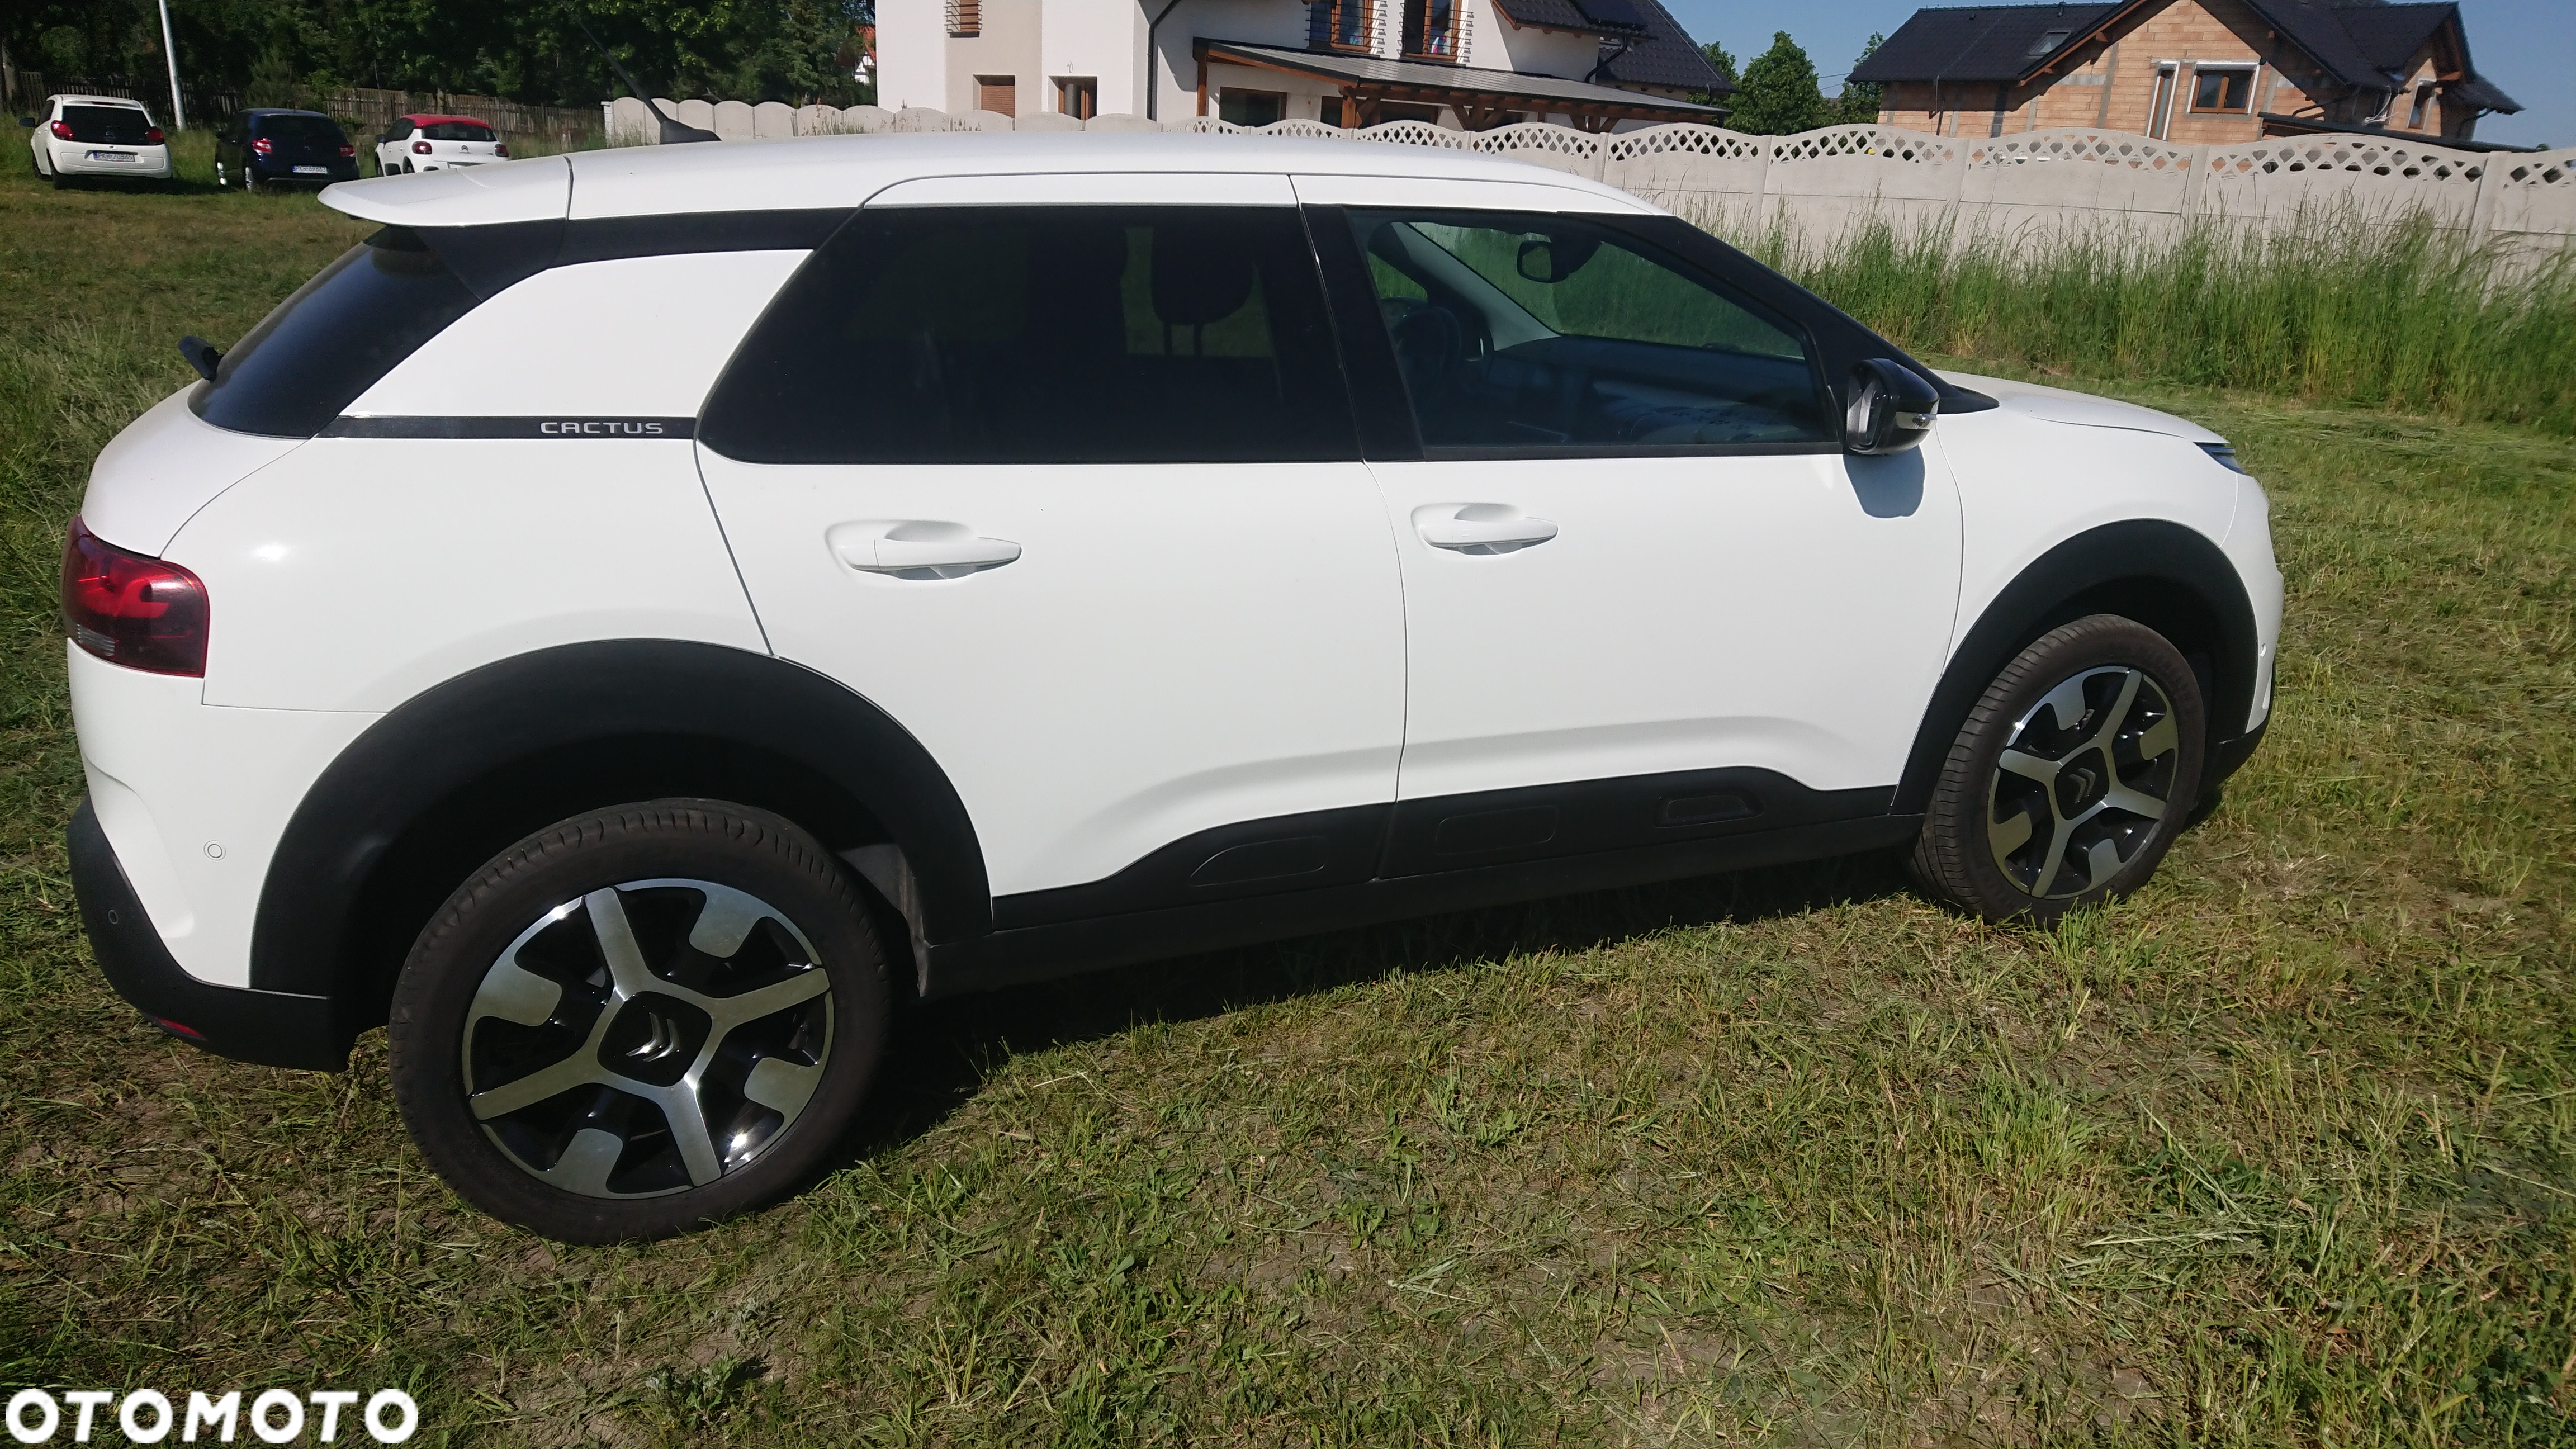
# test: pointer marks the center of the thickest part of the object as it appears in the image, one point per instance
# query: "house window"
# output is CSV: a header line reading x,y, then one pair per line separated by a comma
x,y
2160,110
1431,28
1340,24
997,93
965,17
1077,96
1250,108
2227,89
2423,103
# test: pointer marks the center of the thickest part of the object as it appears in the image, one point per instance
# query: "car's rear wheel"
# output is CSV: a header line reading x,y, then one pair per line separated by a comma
x,y
640,1020
2071,776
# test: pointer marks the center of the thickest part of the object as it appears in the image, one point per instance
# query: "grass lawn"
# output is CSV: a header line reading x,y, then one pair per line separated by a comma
x,y
2282,1151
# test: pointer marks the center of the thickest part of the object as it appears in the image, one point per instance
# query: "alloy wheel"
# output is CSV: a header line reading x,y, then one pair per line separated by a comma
x,y
647,1038
2083,782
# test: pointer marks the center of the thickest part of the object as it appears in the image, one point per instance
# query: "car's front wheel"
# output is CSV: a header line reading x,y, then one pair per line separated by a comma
x,y
640,1020
2071,776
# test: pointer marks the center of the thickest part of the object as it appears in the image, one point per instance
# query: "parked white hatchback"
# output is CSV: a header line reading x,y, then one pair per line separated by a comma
x,y
640,613
436,143
80,136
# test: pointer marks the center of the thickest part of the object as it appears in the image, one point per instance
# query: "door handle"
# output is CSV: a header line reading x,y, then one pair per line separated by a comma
x,y
1479,528
917,548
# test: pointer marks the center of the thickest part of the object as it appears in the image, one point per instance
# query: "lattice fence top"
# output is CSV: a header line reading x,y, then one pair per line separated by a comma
x,y
1885,142
2108,148
2328,153
2552,170
1685,139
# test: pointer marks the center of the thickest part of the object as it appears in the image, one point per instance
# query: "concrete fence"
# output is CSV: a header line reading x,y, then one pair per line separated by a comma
x,y
1818,185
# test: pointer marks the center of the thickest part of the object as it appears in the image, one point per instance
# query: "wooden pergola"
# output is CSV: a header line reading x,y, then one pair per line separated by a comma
x,y
1482,99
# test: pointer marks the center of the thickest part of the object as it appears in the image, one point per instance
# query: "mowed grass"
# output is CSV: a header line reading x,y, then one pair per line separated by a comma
x,y
2282,1151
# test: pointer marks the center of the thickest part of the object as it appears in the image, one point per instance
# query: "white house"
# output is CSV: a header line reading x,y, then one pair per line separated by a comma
x,y
1462,63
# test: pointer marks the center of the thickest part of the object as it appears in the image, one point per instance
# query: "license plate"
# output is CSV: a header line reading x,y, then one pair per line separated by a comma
x,y
312,170
111,155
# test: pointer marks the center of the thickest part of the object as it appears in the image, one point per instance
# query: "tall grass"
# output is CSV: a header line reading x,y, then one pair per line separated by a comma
x,y
2337,308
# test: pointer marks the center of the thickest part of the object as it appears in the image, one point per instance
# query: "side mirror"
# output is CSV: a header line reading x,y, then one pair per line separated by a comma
x,y
201,355
1891,409
1555,258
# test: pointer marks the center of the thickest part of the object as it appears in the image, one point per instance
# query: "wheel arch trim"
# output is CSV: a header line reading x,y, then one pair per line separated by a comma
x,y
2176,570
312,931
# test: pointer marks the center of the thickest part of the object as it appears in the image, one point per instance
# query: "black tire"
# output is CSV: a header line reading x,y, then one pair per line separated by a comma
x,y
525,986
2085,807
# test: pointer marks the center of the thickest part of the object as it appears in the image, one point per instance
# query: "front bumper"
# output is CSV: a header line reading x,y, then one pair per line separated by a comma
x,y
273,1028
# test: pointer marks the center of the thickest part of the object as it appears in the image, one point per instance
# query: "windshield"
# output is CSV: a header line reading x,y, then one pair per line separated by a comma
x,y
457,131
297,128
122,124
334,338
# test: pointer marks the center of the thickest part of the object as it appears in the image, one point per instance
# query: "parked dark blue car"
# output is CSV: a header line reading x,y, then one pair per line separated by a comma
x,y
260,149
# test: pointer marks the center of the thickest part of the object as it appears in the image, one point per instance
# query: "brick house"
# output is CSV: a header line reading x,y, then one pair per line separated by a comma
x,y
1463,63
2189,71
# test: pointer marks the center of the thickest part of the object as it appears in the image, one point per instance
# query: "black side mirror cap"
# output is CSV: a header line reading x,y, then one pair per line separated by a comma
x,y
202,355
1891,408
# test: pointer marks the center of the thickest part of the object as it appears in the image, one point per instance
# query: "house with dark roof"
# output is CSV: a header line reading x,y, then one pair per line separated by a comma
x,y
1470,64
2189,71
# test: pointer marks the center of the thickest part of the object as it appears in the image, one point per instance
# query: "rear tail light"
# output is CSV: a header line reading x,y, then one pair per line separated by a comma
x,y
132,610
263,145
500,148
346,149
154,137
62,130
420,148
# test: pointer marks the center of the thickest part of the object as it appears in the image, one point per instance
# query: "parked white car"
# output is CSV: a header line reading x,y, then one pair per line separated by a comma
x,y
78,136
436,143
641,612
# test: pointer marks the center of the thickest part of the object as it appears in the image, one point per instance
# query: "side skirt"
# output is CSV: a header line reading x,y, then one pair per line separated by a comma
x,y
1009,956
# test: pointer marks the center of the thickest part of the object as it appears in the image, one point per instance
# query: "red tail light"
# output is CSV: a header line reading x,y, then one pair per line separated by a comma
x,y
154,137
348,150
263,145
500,148
62,130
420,148
132,610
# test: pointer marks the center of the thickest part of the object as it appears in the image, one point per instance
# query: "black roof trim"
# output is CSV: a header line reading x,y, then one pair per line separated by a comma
x,y
2304,125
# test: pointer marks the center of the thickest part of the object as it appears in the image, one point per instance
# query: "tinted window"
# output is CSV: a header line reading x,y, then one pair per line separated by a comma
x,y
334,338
1042,334
122,124
456,131
1533,334
319,129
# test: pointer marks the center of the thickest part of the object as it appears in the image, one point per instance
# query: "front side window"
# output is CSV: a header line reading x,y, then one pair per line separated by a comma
x,y
334,338
1539,335
1133,334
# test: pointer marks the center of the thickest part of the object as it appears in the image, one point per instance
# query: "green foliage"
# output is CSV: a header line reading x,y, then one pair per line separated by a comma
x,y
1778,95
2341,308
753,50
1725,66
1859,102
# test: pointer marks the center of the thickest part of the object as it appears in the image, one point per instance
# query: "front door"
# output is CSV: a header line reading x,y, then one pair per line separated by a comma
x,y
1648,597
1071,492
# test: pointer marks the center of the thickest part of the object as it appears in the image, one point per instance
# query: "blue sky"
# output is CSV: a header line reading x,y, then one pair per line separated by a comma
x,y
2526,46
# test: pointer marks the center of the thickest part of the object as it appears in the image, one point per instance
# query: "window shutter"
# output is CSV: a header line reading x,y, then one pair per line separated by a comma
x,y
965,17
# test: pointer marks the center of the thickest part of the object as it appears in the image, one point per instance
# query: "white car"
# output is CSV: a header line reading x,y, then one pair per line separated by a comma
x,y
436,143
77,136
642,612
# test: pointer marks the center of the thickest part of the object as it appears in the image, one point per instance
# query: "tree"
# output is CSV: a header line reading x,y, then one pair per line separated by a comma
x,y
1724,64
1859,102
1778,95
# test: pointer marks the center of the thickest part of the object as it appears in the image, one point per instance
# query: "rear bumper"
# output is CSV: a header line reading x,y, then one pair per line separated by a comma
x,y
273,1028
344,170
74,161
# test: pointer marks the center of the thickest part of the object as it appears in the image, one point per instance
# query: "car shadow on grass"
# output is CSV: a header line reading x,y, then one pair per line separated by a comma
x,y
943,1052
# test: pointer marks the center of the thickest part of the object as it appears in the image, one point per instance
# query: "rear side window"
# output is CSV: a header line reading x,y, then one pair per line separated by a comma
x,y
334,338
120,124
1043,334
456,131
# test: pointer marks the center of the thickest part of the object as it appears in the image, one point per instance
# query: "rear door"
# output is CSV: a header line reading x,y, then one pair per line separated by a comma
x,y
1059,472
1648,597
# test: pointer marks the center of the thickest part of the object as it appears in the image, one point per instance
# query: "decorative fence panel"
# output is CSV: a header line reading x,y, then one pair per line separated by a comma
x,y
1819,184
